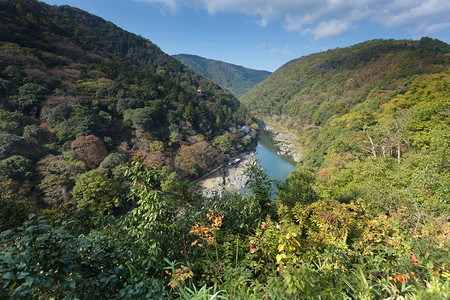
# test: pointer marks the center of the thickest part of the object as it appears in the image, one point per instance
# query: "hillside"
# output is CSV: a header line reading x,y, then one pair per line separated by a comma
x,y
316,91
236,79
77,92
316,87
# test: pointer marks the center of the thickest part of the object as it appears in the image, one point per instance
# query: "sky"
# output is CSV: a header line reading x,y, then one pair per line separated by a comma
x,y
265,34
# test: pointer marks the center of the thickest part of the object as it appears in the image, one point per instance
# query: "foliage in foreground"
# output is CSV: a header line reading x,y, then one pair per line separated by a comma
x,y
175,244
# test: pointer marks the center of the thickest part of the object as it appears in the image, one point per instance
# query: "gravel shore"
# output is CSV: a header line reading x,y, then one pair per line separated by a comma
x,y
231,178
286,143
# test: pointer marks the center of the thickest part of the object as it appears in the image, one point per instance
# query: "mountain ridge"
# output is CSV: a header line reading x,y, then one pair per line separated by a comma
x,y
237,79
299,78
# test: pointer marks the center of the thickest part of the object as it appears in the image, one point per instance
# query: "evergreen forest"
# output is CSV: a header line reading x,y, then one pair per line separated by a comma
x,y
102,133
236,79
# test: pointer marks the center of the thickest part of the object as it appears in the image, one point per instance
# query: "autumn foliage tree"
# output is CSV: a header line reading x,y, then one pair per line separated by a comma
x,y
91,149
195,159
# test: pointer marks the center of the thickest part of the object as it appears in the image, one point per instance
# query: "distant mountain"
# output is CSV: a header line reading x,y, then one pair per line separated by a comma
x,y
236,79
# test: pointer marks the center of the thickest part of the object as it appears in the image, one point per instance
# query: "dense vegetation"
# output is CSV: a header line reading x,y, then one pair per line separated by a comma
x,y
365,217
78,93
315,88
236,79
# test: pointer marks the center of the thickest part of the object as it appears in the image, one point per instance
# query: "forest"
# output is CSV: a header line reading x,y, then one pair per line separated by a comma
x,y
101,134
236,79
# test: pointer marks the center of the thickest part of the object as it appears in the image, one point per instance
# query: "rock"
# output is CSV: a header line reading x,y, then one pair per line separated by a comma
x,y
231,179
286,143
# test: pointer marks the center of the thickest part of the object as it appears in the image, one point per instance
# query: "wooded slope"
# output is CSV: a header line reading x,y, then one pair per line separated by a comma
x,y
236,79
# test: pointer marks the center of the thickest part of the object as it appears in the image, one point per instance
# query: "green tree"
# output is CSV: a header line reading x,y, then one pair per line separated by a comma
x,y
17,168
261,187
13,122
30,94
58,175
113,160
58,114
297,188
11,144
96,192
36,135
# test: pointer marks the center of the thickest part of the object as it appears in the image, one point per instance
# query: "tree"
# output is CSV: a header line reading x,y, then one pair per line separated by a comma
x,y
206,155
297,188
91,149
96,192
59,114
113,160
17,168
13,122
11,144
261,187
186,160
58,175
225,142
36,134
30,94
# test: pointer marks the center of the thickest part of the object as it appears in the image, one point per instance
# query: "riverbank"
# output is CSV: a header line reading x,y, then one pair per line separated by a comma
x,y
277,151
286,141
230,178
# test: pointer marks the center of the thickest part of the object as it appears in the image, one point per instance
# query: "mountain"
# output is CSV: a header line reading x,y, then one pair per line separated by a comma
x,y
316,90
76,90
236,79
96,121
373,120
316,87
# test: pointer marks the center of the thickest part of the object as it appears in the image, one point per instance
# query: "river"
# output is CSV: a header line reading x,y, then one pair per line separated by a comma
x,y
233,178
276,166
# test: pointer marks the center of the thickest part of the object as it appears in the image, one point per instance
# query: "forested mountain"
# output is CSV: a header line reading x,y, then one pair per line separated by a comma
x,y
236,79
77,92
319,91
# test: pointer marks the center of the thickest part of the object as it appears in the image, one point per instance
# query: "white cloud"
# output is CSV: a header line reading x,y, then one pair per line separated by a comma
x,y
326,18
331,28
436,27
275,49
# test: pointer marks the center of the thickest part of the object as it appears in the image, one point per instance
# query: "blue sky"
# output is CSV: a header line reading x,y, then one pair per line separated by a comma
x,y
265,34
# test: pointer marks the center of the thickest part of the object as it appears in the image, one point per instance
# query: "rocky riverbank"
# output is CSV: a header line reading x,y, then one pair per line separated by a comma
x,y
231,178
286,142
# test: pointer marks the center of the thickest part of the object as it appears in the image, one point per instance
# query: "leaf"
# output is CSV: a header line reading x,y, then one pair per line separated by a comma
x,y
8,276
22,275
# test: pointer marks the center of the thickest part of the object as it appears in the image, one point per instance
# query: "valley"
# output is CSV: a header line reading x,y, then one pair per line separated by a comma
x,y
128,173
275,152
